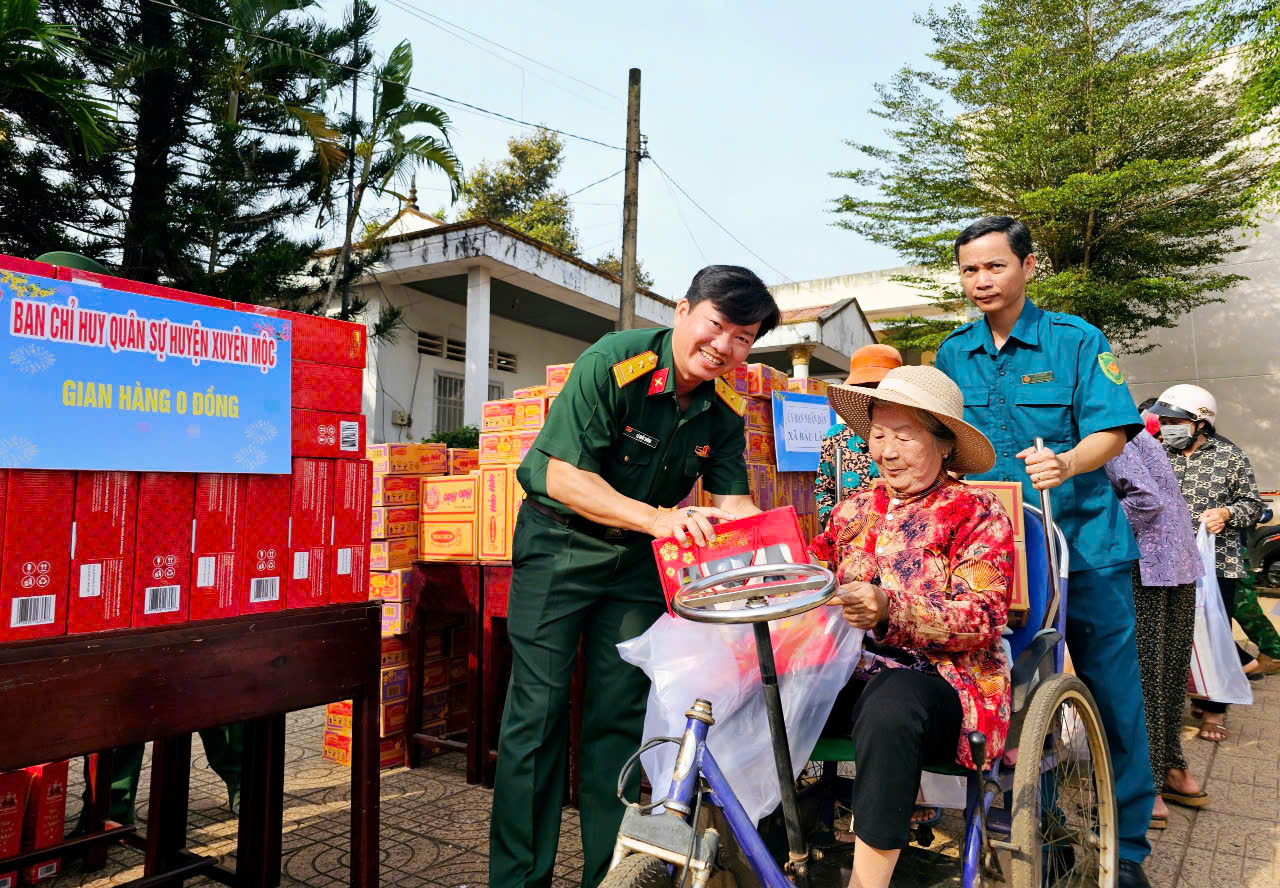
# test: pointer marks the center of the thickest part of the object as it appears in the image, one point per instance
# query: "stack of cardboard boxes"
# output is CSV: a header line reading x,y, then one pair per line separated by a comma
x,y
33,809
393,708
86,551
445,703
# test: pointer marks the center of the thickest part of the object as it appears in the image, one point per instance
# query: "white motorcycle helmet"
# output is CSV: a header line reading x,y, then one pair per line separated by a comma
x,y
1187,402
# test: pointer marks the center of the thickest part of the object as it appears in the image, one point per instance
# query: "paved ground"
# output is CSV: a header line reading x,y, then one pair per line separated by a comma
x,y
435,826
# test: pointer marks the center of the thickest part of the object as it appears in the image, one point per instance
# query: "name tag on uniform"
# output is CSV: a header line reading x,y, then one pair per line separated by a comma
x,y
1032,378
643,437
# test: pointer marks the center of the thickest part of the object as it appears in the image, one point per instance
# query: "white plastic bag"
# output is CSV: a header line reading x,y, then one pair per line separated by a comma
x,y
1216,673
815,654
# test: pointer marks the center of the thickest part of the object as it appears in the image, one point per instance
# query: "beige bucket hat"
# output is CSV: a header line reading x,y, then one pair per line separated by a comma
x,y
927,389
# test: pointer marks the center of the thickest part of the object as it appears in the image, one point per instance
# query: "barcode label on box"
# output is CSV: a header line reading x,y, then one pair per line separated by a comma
x,y
344,561
6,881
34,611
206,568
264,589
301,565
48,870
348,435
90,580
162,599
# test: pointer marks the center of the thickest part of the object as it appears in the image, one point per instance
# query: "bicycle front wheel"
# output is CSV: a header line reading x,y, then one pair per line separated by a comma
x,y
638,871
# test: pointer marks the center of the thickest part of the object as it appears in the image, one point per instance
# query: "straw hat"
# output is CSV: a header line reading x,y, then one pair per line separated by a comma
x,y
871,362
927,389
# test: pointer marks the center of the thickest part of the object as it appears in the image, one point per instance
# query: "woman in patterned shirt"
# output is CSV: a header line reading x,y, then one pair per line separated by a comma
x,y
1218,484
843,452
925,565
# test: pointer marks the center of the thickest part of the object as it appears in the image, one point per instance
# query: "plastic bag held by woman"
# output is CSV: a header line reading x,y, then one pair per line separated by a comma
x,y
815,653
1215,669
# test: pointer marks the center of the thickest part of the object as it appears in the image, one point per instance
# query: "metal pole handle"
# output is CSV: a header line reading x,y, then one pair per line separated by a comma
x,y
1051,549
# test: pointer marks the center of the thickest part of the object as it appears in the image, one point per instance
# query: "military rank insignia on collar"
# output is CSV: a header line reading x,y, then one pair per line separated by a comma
x,y
634,367
735,401
658,381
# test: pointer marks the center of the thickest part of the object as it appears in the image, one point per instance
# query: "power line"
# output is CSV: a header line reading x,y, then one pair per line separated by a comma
x,y
595,183
732,236
675,202
435,95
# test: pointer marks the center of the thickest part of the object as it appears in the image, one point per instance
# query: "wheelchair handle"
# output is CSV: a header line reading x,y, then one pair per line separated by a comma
x,y
1051,549
813,579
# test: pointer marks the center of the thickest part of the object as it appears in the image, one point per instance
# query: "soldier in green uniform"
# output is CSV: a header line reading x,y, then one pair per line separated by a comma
x,y
643,415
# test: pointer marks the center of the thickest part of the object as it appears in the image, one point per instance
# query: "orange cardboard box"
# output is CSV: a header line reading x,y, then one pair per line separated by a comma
x,y
1010,495
763,381
337,748
463,460
532,391
505,448
497,513
807,386
396,585
760,448
393,554
395,619
396,490
557,376
395,652
408,459
435,677
393,521
446,538
447,496
737,379
498,416
759,415
531,413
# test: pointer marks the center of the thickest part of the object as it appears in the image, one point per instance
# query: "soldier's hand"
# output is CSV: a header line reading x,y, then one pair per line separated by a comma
x,y
687,525
1046,468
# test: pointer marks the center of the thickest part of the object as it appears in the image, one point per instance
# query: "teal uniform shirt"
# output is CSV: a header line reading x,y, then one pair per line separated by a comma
x,y
1055,378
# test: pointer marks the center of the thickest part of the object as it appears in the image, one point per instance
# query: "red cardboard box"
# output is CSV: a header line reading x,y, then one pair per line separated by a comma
x,y
102,541
13,803
36,562
352,498
323,434
771,537
125,285
317,339
327,387
43,824
218,537
162,561
311,518
9,879
262,582
41,871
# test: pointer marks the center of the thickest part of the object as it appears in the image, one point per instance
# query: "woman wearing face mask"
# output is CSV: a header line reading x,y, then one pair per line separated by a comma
x,y
1218,484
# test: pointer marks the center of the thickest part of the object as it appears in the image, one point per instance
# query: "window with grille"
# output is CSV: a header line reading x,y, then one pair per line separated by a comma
x,y
437,346
451,403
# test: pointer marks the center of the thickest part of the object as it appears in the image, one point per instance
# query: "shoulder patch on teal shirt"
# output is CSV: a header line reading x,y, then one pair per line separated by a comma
x,y
1111,368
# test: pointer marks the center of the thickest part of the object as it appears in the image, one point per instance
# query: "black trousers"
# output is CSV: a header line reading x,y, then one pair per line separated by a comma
x,y
903,721
1227,588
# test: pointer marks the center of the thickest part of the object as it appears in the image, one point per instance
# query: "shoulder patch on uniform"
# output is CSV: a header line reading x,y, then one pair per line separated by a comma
x,y
1111,368
736,402
634,367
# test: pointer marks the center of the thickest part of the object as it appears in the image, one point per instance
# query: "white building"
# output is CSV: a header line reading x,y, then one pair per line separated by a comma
x,y
1230,348
486,309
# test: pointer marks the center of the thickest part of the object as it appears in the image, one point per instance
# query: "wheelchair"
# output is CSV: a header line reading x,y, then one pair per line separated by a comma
x,y
1047,806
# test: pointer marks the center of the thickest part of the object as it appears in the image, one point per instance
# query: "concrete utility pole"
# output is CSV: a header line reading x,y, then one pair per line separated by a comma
x,y
630,198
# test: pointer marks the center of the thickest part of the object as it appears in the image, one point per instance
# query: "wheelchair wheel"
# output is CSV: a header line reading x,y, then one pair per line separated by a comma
x,y
1064,806
638,871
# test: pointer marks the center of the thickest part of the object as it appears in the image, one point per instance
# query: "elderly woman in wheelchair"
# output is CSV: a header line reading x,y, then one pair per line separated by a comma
x,y
925,565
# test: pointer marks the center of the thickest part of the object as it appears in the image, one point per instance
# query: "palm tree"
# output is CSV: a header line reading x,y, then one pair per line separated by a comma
x,y
385,152
33,53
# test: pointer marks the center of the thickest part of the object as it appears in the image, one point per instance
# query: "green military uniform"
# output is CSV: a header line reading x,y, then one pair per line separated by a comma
x,y
578,582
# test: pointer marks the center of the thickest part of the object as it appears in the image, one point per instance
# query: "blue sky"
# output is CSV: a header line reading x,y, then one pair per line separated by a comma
x,y
744,104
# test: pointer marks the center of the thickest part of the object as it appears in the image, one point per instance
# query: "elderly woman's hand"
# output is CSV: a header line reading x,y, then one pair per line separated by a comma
x,y
865,606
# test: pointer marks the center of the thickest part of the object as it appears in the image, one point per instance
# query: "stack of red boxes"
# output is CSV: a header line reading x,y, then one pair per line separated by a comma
x,y
89,551
33,810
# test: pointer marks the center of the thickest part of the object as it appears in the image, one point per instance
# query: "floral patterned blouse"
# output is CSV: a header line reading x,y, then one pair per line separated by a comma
x,y
856,469
945,563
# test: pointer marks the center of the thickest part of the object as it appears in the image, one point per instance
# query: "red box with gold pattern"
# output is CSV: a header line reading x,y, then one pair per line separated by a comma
x,y
318,339
327,387
771,537
218,536
13,804
311,520
36,561
162,560
43,825
349,561
102,540
263,579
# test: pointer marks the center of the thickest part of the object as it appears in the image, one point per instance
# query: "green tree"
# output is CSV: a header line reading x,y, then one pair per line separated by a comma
x,y
1086,119
520,193
387,152
612,263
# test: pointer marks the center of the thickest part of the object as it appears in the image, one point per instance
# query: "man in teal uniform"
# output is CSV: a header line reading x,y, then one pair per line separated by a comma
x,y
1028,373
643,415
